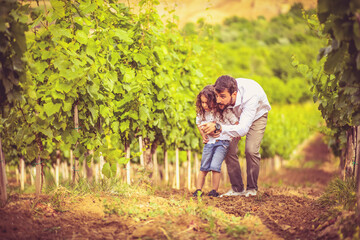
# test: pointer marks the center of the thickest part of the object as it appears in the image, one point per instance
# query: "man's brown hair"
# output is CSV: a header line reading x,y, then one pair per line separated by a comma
x,y
226,82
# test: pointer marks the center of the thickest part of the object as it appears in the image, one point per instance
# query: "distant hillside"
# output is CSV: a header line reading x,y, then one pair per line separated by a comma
x,y
215,11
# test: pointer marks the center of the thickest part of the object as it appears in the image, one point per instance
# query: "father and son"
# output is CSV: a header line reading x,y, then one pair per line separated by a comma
x,y
226,111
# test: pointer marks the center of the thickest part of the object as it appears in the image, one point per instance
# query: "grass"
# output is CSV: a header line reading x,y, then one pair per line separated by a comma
x,y
340,192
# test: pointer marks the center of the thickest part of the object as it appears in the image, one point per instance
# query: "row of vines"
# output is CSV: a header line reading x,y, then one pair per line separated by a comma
x,y
91,78
336,82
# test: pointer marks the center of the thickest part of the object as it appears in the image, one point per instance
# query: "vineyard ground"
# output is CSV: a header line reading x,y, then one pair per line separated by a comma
x,y
286,207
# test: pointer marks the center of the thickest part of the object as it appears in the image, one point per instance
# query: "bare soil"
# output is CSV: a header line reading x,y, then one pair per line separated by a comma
x,y
286,207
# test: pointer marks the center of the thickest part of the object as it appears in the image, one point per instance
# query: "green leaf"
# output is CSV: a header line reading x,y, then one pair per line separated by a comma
x,y
51,108
109,81
40,66
115,126
64,87
140,58
134,115
122,160
334,59
124,126
59,8
59,32
144,113
159,81
104,111
106,170
87,7
122,35
81,37
91,48
129,75
93,89
47,132
67,106
94,112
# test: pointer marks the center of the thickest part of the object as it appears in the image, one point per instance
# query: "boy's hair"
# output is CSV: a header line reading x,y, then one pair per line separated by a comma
x,y
209,93
226,82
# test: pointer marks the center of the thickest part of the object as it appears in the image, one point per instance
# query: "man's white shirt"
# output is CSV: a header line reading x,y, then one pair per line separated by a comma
x,y
251,103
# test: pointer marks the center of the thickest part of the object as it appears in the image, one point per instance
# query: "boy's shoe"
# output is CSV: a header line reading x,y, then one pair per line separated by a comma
x,y
233,193
251,192
198,193
213,193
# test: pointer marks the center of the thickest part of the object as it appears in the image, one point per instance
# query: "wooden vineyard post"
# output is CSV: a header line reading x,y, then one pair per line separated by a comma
x,y
101,165
17,175
141,150
90,170
197,168
355,160
64,171
189,169
128,167
3,193
156,167
177,168
96,172
57,168
166,161
71,164
38,176
357,176
118,171
76,162
32,176
22,173
84,168
349,167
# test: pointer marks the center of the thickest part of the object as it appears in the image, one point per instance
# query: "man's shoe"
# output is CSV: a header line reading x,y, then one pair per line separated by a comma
x,y
233,193
213,193
198,193
251,192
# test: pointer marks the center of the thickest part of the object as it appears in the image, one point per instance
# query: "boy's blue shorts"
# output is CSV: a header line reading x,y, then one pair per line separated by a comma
x,y
213,155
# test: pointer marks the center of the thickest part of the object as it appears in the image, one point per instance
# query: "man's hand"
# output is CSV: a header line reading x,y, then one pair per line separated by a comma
x,y
209,129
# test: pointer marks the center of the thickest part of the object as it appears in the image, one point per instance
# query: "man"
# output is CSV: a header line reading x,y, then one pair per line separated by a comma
x,y
250,104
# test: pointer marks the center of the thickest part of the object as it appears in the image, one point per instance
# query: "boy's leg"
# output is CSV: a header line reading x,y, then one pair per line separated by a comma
x,y
220,151
207,155
233,166
252,154
201,179
216,180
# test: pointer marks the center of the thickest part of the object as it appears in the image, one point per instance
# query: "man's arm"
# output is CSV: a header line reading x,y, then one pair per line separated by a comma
x,y
240,130
246,119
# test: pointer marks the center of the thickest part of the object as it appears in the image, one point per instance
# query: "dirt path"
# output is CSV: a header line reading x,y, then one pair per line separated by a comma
x,y
287,205
286,201
285,208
